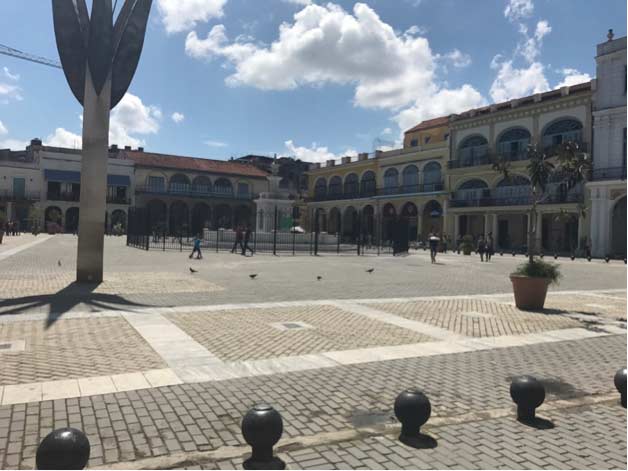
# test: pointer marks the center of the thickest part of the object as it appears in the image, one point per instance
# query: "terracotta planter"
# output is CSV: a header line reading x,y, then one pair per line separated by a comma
x,y
529,292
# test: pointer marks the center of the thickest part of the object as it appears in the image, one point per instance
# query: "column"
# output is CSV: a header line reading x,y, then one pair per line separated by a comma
x,y
419,223
456,226
580,231
486,223
495,228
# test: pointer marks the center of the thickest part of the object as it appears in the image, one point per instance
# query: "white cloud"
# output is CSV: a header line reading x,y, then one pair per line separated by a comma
x,y
216,144
325,44
512,82
177,117
3,130
530,48
8,88
315,153
9,75
573,77
8,143
299,2
442,103
64,138
519,9
457,58
132,117
387,131
183,15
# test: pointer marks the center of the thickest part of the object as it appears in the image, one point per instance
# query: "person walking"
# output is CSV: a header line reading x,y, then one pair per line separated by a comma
x,y
433,241
238,240
481,247
197,248
247,238
490,246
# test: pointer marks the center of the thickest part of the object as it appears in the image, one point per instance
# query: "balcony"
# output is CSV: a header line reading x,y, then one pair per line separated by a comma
x,y
471,158
118,200
60,196
521,200
16,197
385,191
609,173
192,191
552,150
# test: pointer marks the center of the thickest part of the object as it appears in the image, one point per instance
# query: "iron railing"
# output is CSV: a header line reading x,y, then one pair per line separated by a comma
x,y
193,192
62,196
609,173
7,195
382,191
520,200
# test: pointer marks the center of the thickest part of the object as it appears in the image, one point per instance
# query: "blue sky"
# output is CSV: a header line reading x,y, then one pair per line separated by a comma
x,y
314,79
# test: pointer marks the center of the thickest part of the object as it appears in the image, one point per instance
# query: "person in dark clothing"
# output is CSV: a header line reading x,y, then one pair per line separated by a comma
x,y
238,240
481,247
490,246
247,238
433,241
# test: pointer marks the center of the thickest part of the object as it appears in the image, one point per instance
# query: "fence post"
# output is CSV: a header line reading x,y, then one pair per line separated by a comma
x,y
379,233
338,231
275,234
163,239
216,239
255,242
317,229
294,239
359,231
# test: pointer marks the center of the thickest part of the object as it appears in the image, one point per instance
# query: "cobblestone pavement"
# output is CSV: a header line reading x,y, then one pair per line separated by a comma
x,y
251,334
478,317
282,278
199,417
582,438
74,348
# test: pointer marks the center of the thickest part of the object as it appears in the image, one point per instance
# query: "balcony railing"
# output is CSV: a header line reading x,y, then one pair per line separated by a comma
x,y
384,191
192,191
520,200
553,149
118,200
609,173
6,195
56,196
482,159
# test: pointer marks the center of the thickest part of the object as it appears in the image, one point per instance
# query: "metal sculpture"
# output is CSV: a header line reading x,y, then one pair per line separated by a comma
x,y
99,58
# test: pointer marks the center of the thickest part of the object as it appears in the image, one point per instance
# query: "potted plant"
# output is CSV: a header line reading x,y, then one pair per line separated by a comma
x,y
467,245
567,167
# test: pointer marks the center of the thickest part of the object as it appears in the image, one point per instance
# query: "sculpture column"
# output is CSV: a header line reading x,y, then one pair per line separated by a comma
x,y
89,266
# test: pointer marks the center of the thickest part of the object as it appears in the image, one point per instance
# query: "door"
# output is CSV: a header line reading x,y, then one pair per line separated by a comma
x,y
19,188
503,238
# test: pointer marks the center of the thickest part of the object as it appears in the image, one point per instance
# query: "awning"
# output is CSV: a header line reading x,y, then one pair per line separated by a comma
x,y
62,176
118,180
75,177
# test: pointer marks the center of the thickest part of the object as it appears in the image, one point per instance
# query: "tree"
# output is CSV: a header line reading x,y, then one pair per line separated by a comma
x,y
567,166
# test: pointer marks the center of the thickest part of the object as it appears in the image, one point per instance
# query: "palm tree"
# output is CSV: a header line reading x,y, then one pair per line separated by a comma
x,y
570,166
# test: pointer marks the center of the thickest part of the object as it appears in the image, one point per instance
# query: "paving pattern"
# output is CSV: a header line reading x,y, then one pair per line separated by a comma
x,y
478,317
251,334
74,348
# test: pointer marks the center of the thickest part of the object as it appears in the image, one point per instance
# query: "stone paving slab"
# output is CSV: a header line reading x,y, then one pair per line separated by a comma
x,y
479,317
250,334
127,426
73,348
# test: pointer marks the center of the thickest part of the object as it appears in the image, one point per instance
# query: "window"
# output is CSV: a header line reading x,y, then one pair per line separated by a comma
x,y
473,151
564,130
351,184
446,136
368,184
513,143
243,189
411,179
432,177
391,178
116,194
156,183
427,139
320,188
19,187
335,186
414,143
472,190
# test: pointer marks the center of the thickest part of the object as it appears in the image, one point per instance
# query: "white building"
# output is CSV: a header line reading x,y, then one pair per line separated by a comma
x,y
608,185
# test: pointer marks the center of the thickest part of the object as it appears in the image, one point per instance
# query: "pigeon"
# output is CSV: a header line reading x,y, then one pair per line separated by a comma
x,y
319,278
253,276
370,270
192,270
59,263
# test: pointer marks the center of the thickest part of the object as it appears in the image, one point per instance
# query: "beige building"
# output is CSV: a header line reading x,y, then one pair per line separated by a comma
x,y
483,202
20,184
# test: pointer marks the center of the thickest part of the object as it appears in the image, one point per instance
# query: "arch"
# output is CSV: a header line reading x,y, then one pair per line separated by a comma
x,y
156,181
242,216
202,185
223,187
320,220
179,183
223,216
562,130
118,216
368,184
350,221
72,219
432,177
179,218
410,179
514,189
320,188
432,219
389,217
335,186
514,180
352,185
410,213
157,215
201,218
473,189
473,150
368,224
513,143
618,228
474,183
391,180
334,223
53,219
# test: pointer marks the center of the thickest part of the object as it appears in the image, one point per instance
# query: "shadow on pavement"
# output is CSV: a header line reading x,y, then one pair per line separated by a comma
x,y
65,300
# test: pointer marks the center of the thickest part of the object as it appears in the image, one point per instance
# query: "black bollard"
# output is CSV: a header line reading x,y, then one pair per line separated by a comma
x,y
573,257
412,409
528,394
501,254
607,259
589,258
262,428
64,448
620,384
542,255
514,253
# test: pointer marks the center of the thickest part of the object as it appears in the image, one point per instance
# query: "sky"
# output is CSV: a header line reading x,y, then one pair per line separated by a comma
x,y
306,78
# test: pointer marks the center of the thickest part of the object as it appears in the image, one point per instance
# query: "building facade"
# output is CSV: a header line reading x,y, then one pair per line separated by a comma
x,y
608,186
20,185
